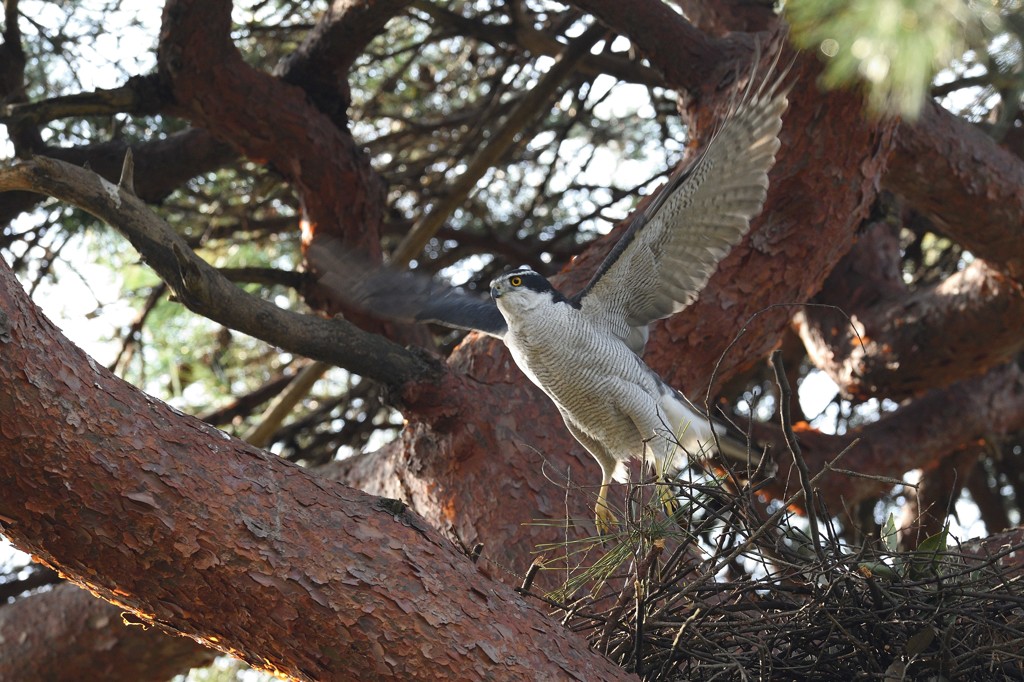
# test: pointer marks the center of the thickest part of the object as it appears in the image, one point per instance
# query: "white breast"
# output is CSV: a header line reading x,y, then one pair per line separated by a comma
x,y
599,385
590,375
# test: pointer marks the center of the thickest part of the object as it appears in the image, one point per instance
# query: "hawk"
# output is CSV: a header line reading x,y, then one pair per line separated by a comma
x,y
584,351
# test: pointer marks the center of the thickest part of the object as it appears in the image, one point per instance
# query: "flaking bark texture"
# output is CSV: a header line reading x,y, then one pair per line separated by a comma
x,y
205,535
491,463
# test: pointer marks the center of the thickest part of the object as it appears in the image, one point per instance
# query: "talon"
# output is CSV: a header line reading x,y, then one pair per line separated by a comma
x,y
604,519
668,500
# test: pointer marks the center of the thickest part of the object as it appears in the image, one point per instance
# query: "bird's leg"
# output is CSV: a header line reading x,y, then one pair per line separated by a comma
x,y
604,519
666,495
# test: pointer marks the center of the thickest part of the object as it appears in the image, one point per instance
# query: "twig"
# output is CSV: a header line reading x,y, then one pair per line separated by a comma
x,y
785,419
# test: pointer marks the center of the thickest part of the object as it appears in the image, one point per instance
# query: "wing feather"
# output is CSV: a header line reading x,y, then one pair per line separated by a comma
x,y
669,253
402,295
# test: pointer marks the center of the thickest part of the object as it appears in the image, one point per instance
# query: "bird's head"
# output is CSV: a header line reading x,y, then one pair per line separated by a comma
x,y
523,288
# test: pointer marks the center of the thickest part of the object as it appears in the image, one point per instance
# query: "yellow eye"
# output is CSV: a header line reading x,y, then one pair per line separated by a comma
x,y
515,281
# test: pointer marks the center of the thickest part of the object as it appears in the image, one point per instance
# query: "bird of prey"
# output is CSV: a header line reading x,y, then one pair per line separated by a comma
x,y
584,351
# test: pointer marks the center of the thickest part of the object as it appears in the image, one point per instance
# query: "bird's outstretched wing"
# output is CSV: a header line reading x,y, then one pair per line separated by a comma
x,y
669,253
403,296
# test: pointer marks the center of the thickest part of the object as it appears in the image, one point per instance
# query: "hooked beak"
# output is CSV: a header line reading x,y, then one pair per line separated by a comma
x,y
497,290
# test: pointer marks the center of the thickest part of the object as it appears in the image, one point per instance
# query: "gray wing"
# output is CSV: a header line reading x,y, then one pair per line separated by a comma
x,y
402,295
669,253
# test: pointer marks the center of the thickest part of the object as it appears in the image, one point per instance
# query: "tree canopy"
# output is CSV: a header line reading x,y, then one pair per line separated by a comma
x,y
245,459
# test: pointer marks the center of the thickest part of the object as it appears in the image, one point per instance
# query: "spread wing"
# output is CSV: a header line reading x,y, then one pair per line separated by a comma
x,y
669,253
402,295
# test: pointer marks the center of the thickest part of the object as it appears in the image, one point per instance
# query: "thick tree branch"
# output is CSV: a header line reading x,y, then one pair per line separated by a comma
x,y
918,434
687,57
67,634
965,183
539,43
943,166
141,95
205,291
905,341
269,121
180,524
321,64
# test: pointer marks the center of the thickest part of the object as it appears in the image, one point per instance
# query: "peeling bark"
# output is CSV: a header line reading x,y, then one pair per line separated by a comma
x,y
483,451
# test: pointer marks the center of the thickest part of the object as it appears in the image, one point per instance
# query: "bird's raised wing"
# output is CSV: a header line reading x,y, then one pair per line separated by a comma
x,y
403,296
669,253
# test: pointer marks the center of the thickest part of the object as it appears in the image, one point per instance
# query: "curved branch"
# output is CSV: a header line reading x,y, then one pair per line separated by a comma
x,y
204,290
161,166
270,121
141,95
321,64
918,434
912,340
969,186
182,524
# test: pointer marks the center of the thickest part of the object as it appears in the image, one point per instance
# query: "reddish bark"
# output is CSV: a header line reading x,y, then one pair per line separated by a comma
x,y
495,458
471,458
919,434
191,529
724,16
478,468
321,64
68,634
965,183
907,342
270,121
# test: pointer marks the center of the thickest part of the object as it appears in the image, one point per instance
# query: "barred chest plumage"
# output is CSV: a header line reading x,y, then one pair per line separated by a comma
x,y
584,371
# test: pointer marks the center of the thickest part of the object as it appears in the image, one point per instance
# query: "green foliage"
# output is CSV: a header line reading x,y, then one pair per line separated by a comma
x,y
894,47
928,561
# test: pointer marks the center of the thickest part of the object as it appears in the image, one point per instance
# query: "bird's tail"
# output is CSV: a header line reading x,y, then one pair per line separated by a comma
x,y
728,445
735,449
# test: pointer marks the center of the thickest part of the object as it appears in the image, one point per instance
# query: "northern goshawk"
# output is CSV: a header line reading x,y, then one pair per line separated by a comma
x,y
584,351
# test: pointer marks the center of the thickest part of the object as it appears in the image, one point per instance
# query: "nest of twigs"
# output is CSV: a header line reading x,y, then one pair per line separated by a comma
x,y
730,589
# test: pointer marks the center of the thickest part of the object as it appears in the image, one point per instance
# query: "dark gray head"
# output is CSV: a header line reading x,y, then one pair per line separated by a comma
x,y
524,287
520,278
